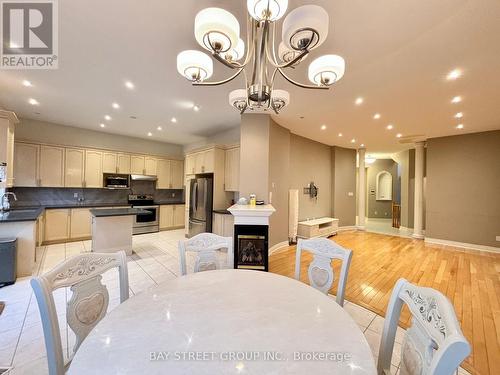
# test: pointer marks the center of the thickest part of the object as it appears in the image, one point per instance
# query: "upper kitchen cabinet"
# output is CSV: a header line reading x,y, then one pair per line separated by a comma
x,y
190,164
26,164
51,166
123,164
137,164
109,162
201,162
232,170
74,165
163,171
93,169
150,165
8,121
177,174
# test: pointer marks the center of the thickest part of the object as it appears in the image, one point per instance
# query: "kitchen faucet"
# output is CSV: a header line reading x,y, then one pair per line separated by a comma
x,y
5,204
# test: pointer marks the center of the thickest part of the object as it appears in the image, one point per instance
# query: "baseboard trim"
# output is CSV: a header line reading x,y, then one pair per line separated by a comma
x,y
276,248
462,245
347,227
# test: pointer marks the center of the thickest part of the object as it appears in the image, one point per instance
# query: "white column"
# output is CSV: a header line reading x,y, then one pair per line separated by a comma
x,y
419,191
361,189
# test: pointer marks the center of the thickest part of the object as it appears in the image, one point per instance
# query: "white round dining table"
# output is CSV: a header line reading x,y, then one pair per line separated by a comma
x,y
226,322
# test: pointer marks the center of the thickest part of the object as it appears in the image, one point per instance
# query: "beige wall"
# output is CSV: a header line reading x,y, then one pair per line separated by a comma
x,y
463,188
344,183
45,132
375,208
310,161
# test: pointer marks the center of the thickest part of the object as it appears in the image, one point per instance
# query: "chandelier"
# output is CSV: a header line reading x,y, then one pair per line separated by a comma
x,y
218,31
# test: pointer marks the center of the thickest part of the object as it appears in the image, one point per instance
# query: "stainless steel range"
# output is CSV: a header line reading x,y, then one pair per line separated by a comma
x,y
145,223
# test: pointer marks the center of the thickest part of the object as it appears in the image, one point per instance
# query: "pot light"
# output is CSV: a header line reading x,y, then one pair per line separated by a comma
x,y
454,74
340,134
323,127
376,116
174,120
33,101
460,126
459,115
359,101
389,127
115,105
456,99
159,128
362,145
150,134
196,108
267,10
353,140
129,85
102,125
399,135
27,83
107,118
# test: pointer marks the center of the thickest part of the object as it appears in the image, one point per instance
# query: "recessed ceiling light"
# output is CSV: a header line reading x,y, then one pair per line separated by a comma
x,y
454,74
159,128
459,115
33,101
107,118
376,116
174,120
150,134
399,135
353,140
196,108
362,145
460,126
389,127
115,105
359,101
456,99
129,85
27,83
102,125
323,127
340,134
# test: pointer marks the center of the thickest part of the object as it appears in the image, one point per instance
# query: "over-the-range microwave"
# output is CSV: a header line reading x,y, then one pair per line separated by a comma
x,y
116,181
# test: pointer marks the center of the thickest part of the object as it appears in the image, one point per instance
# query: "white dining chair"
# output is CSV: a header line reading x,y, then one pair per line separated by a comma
x,y
321,275
88,304
206,246
434,343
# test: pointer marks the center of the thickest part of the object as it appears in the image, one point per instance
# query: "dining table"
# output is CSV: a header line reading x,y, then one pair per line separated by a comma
x,y
226,322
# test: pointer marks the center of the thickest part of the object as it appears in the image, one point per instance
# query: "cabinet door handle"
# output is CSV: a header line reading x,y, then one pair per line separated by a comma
x,y
117,170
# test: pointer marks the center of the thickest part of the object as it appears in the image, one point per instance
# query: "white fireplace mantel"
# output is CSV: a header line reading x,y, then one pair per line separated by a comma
x,y
251,215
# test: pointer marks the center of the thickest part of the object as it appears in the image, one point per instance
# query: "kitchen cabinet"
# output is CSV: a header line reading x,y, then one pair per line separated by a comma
x,y
26,164
223,225
179,215
56,225
74,165
232,170
163,172
172,216
109,162
190,167
123,164
93,169
150,165
80,223
51,169
137,164
204,161
177,174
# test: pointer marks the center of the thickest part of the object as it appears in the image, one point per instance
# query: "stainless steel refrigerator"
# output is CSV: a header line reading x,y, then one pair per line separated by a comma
x,y
200,205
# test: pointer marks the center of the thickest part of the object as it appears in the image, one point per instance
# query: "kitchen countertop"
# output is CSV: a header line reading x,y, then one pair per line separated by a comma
x,y
16,215
222,212
166,203
107,212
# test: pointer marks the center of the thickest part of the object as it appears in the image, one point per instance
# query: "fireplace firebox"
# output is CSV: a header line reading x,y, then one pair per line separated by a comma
x,y
251,247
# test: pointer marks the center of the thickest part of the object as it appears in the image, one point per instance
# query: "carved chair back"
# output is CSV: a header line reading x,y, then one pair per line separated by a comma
x,y
206,246
321,275
434,343
88,304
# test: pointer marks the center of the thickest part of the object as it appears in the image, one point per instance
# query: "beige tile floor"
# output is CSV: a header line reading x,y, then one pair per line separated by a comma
x,y
155,260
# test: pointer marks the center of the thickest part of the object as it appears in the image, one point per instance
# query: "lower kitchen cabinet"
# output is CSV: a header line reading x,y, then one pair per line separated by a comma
x,y
80,223
223,225
172,216
56,225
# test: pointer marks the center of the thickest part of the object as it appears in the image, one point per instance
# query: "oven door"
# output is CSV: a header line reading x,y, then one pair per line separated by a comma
x,y
147,219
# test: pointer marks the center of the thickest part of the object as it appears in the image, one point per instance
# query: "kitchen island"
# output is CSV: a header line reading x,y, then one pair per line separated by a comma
x,y
112,229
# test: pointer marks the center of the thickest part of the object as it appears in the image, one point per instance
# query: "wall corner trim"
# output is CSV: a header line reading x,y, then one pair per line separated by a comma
x,y
462,245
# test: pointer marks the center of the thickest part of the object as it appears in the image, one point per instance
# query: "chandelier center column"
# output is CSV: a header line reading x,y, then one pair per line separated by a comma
x,y
361,189
418,218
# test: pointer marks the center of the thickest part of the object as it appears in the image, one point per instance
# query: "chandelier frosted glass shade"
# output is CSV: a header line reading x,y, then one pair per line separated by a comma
x,y
326,70
305,27
238,99
280,98
286,54
194,65
216,30
270,10
235,54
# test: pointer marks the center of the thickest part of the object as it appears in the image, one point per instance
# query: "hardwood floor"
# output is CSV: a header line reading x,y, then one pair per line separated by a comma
x,y
470,279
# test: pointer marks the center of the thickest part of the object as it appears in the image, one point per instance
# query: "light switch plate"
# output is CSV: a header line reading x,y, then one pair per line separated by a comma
x,y
350,194
75,195
498,238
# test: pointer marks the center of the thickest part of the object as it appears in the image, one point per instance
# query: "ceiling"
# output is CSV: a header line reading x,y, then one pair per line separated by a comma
x,y
397,54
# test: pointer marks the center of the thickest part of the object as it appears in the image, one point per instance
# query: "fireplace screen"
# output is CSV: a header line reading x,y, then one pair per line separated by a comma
x,y
251,252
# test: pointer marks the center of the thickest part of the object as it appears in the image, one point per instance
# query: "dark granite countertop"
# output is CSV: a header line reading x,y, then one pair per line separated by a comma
x,y
107,212
167,203
73,205
25,214
222,212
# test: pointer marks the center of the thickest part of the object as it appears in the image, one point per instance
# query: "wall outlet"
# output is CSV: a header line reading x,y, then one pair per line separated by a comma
x,y
376,212
173,195
498,238
75,195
